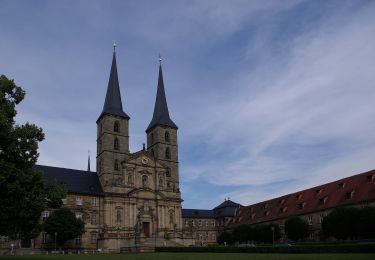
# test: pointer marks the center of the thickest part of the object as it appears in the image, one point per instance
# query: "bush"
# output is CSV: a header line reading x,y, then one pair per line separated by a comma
x,y
297,228
309,249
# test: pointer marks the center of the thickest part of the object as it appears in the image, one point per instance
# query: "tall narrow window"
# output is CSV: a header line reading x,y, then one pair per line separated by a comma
x,y
167,153
93,219
166,135
116,144
152,153
116,165
118,216
152,138
93,201
116,127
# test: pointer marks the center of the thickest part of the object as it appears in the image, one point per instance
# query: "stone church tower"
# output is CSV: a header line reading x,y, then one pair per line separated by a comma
x,y
141,195
112,134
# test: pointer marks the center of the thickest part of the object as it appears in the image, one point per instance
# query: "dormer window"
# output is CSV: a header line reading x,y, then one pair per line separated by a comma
x,y
341,185
166,136
349,195
167,153
323,200
116,145
116,127
299,196
318,191
265,206
301,205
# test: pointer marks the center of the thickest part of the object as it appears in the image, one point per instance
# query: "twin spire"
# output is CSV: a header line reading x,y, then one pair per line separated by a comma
x,y
113,104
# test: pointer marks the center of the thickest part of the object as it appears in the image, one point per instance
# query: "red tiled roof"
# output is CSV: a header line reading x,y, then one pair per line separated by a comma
x,y
351,190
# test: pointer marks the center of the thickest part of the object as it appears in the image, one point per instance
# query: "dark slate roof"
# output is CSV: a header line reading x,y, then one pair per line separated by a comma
x,y
228,203
76,181
226,209
113,104
197,213
161,113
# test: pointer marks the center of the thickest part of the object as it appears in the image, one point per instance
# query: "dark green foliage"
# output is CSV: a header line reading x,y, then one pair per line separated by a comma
x,y
247,233
65,224
23,193
297,228
350,223
225,237
366,227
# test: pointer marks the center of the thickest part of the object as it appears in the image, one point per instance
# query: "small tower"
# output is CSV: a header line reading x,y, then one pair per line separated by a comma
x,y
162,133
112,133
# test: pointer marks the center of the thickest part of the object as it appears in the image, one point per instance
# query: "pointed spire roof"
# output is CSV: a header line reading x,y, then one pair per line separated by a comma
x,y
161,113
113,104
88,162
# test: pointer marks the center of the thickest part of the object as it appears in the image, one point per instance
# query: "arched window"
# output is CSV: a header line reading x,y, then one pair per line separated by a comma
x,y
116,145
166,135
167,153
116,127
116,165
118,216
144,181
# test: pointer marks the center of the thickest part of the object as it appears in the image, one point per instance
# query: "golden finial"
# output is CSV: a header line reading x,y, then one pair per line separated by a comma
x,y
114,45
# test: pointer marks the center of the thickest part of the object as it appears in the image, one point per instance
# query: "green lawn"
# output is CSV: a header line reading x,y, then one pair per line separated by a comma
x,y
195,256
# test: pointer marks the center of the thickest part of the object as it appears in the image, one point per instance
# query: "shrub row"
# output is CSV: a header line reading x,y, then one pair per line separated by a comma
x,y
352,248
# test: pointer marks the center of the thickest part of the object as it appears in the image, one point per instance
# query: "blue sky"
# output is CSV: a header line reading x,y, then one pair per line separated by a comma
x,y
270,96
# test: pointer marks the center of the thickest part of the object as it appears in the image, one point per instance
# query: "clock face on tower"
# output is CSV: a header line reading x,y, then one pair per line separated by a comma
x,y
144,160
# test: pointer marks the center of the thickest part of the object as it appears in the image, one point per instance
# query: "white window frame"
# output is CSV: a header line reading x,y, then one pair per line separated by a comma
x,y
79,201
94,201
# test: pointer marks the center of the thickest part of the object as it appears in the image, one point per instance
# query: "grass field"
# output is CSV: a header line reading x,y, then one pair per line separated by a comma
x,y
194,256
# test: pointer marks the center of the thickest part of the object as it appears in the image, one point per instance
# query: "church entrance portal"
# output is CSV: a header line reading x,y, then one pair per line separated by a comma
x,y
146,228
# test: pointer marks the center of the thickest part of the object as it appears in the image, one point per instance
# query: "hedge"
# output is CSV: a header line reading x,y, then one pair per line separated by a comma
x,y
305,249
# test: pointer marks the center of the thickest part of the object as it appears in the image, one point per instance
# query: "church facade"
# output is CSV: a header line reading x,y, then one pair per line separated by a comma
x,y
133,199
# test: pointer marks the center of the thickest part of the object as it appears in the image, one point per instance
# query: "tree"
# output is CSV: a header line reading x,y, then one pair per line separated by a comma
x,y
350,223
297,228
366,226
64,223
225,237
341,223
23,191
